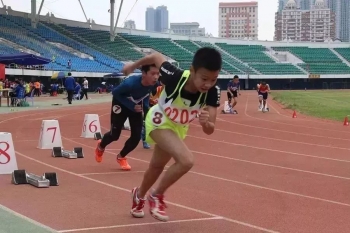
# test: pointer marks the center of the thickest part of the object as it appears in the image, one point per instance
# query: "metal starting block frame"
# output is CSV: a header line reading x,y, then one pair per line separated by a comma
x,y
261,110
59,152
229,112
266,108
46,180
97,136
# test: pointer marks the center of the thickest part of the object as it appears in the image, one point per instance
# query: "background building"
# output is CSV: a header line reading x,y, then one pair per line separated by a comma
x,y
130,24
151,19
314,25
187,29
341,8
238,20
301,4
157,20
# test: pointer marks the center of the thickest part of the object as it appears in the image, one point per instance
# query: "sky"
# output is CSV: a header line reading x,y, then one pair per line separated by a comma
x,y
205,12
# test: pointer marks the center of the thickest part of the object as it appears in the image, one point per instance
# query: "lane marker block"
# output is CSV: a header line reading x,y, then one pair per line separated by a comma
x,y
8,161
227,107
91,126
50,135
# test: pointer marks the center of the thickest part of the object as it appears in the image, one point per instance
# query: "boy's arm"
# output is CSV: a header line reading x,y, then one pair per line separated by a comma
x,y
154,58
145,104
212,103
209,125
228,88
121,93
168,72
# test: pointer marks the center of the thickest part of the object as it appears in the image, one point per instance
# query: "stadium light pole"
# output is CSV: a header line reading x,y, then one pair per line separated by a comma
x,y
111,24
33,13
116,22
82,8
41,6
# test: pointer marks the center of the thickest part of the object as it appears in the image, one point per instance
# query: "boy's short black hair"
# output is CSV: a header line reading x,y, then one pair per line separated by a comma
x,y
207,58
263,83
146,68
236,76
69,74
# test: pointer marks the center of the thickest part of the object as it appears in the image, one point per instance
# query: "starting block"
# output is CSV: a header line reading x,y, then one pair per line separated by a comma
x,y
46,180
228,109
266,108
97,136
229,112
59,152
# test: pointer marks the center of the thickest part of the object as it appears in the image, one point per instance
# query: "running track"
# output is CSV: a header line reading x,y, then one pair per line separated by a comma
x,y
259,172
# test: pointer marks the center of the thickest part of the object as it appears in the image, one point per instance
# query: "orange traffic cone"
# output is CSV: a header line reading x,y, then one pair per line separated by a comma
x,y
294,114
346,122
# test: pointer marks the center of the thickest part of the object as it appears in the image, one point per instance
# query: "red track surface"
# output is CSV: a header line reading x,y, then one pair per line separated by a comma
x,y
257,173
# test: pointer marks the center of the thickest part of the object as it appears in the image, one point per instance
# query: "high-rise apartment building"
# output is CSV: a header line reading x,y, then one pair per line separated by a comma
x,y
300,4
130,24
341,8
238,20
315,25
151,19
157,20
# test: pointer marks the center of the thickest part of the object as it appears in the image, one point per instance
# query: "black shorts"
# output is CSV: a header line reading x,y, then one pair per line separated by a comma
x,y
229,95
119,114
264,95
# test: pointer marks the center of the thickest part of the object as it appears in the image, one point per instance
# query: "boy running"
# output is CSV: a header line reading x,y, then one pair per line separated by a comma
x,y
185,93
233,90
127,103
263,90
257,90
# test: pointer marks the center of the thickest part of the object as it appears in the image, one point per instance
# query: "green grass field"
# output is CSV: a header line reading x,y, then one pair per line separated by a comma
x,y
334,105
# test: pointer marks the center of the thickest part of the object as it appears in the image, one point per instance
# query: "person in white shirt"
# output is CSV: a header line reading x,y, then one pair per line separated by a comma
x,y
85,88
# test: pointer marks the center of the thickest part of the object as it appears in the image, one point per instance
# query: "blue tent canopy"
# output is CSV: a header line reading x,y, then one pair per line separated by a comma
x,y
23,59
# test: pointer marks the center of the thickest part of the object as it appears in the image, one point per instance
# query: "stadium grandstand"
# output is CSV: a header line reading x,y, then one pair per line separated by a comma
x,y
285,65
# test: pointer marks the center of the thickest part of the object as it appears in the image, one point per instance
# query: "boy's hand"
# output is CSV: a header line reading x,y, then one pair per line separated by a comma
x,y
138,108
204,116
128,69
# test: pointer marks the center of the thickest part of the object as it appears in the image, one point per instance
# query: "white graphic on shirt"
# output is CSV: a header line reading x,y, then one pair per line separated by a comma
x,y
138,100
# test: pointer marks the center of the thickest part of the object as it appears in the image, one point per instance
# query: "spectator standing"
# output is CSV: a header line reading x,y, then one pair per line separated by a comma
x,y
70,86
85,88
37,88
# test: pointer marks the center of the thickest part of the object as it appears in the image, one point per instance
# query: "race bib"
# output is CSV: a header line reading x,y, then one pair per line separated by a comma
x,y
157,116
181,116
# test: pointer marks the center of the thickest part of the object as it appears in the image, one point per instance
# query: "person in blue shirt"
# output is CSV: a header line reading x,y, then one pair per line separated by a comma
x,y
130,100
77,90
233,88
19,92
70,85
